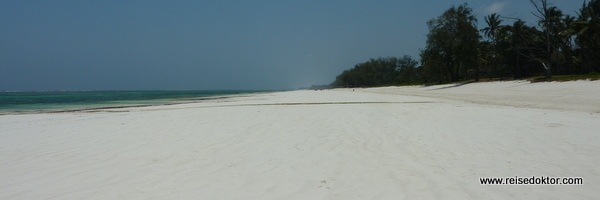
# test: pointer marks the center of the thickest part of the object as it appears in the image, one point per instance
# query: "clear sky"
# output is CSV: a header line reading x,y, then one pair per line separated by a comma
x,y
145,45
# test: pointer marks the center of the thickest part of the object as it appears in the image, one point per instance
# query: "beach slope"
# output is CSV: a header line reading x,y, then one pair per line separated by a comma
x,y
375,143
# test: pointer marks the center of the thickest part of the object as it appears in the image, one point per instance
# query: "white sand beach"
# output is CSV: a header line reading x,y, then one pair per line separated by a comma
x,y
375,143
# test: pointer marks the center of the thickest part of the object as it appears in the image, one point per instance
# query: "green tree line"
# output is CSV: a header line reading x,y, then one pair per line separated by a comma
x,y
456,50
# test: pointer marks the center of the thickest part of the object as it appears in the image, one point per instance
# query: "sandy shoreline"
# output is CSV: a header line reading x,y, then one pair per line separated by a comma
x,y
375,143
104,107
575,95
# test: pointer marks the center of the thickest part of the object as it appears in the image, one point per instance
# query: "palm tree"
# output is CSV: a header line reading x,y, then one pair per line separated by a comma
x,y
588,26
566,32
491,31
520,38
554,18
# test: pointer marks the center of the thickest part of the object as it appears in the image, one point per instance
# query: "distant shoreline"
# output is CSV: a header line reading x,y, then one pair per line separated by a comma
x,y
102,104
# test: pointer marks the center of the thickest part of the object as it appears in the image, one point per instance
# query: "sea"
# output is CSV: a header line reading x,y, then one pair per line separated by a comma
x,y
61,101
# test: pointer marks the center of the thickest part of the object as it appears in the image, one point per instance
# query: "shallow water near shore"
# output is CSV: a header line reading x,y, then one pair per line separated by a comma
x,y
32,102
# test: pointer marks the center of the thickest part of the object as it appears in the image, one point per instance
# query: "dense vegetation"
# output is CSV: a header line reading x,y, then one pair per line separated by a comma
x,y
455,50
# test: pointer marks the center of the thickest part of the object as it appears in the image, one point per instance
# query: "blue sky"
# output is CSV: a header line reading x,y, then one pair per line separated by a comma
x,y
145,45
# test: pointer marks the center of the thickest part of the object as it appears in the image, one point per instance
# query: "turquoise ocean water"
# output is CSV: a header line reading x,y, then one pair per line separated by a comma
x,y
26,102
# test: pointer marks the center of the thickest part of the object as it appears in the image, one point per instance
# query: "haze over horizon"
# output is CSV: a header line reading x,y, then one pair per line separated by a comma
x,y
170,45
